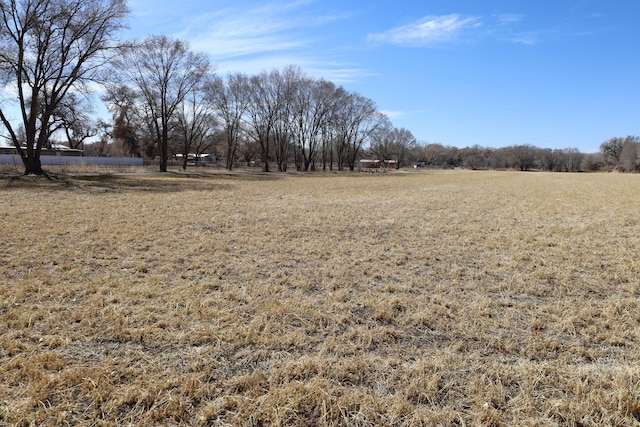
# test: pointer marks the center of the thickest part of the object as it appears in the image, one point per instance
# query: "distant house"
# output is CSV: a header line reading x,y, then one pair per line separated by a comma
x,y
366,164
61,150
7,149
53,150
373,165
199,159
391,164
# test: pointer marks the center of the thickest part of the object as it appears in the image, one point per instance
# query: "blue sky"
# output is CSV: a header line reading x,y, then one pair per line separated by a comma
x,y
553,74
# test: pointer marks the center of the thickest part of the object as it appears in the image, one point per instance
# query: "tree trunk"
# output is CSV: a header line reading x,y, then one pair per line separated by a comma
x,y
230,153
265,158
163,156
33,166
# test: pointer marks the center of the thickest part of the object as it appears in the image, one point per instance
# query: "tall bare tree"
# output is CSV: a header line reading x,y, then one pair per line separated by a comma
x,y
405,142
270,111
355,121
382,141
629,155
48,49
391,143
230,100
248,149
263,112
125,131
313,104
331,131
524,156
163,71
196,124
285,84
612,149
620,152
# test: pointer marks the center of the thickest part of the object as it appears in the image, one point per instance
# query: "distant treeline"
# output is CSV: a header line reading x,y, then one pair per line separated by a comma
x,y
622,154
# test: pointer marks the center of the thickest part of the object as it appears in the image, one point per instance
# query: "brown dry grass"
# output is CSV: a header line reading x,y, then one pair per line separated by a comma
x,y
430,298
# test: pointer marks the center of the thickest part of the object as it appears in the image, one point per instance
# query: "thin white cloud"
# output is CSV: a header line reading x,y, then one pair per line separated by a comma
x,y
335,71
227,47
454,28
270,27
428,30
508,18
393,114
338,74
268,36
528,39
535,37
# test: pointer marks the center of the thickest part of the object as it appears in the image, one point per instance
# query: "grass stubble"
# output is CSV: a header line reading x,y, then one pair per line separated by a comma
x,y
426,298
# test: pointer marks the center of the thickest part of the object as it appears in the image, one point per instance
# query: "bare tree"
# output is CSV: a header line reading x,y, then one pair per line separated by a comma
x,y
121,101
574,159
549,159
620,151
163,71
284,85
382,141
73,119
196,124
230,100
524,156
249,149
629,155
612,149
341,129
314,102
48,49
391,143
405,143
263,112
593,162
331,135
475,157
356,119
432,154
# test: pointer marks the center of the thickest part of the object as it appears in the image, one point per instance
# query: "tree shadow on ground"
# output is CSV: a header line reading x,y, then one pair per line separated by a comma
x,y
168,182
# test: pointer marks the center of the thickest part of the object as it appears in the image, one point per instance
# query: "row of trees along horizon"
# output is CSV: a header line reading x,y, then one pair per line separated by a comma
x,y
166,99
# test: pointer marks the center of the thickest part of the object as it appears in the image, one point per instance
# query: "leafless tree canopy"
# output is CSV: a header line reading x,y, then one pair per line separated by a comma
x,y
162,71
230,100
196,124
49,49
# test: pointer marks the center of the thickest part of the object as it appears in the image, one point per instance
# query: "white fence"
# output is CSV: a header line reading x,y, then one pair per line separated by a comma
x,y
13,159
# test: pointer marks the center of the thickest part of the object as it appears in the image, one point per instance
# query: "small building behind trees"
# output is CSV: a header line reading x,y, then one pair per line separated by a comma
x,y
369,165
53,149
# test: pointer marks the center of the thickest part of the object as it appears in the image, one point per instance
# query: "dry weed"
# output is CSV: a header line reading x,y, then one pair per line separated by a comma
x,y
417,298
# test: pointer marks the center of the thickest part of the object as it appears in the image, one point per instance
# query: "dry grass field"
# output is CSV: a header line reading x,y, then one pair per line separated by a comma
x,y
413,298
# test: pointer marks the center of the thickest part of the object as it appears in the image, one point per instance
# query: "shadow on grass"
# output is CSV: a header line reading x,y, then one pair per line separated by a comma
x,y
144,182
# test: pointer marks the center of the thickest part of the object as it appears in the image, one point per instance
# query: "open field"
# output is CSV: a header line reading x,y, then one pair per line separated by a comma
x,y
400,299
